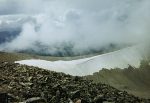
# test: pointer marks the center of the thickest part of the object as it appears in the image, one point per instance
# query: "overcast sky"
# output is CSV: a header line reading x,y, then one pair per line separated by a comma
x,y
85,24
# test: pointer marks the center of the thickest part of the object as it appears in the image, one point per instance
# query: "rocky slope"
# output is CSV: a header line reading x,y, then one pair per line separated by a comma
x,y
34,85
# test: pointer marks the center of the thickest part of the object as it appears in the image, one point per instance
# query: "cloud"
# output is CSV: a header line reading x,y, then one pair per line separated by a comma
x,y
78,26
8,7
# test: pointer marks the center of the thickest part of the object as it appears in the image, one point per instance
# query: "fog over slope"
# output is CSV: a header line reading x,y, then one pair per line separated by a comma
x,y
74,27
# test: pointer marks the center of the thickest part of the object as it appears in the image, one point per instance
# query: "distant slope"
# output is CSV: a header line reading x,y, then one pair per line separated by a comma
x,y
135,81
7,36
12,57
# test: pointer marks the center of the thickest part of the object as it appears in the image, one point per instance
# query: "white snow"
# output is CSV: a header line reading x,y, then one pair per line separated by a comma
x,y
121,58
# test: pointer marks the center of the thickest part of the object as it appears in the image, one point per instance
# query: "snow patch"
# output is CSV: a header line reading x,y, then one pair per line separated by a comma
x,y
121,59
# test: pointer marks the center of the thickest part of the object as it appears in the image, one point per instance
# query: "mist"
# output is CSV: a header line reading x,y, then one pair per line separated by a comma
x,y
74,26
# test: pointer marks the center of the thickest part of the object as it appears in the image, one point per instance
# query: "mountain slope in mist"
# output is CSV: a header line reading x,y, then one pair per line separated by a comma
x,y
131,79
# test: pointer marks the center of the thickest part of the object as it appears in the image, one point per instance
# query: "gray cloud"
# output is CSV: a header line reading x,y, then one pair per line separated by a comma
x,y
80,25
8,7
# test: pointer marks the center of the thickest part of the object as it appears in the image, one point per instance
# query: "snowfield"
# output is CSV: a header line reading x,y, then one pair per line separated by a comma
x,y
121,58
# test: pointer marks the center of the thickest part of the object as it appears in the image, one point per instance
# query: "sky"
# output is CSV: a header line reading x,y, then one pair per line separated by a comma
x,y
81,26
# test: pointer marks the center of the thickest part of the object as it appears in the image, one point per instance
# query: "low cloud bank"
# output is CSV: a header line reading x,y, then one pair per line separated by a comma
x,y
75,27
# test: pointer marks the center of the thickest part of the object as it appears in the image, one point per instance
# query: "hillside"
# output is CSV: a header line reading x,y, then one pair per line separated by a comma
x,y
131,79
21,83
12,57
